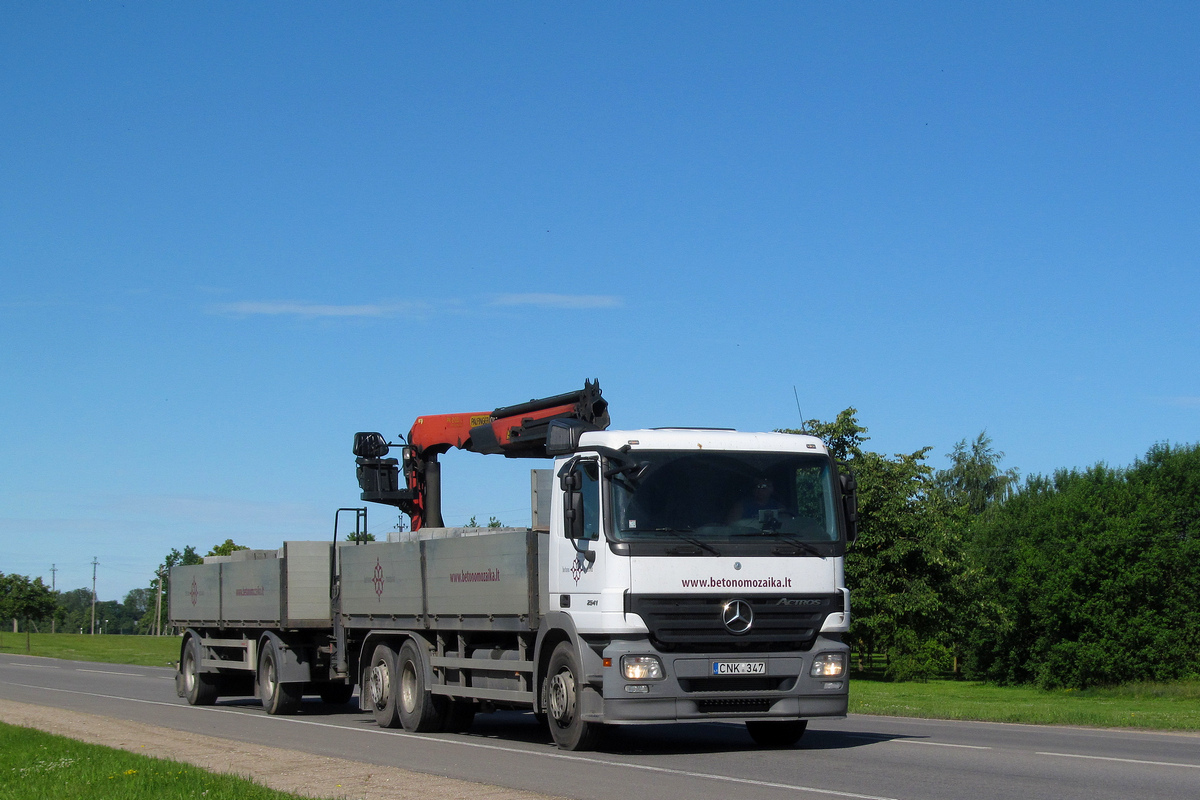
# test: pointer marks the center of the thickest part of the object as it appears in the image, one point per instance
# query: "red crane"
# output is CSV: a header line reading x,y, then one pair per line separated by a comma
x,y
517,431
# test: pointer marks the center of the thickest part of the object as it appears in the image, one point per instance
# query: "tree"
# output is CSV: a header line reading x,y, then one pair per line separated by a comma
x,y
974,479
225,548
902,569
23,600
1095,573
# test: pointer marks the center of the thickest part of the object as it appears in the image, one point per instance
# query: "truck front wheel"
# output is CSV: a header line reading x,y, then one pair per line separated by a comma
x,y
420,711
199,688
770,733
564,689
277,697
381,687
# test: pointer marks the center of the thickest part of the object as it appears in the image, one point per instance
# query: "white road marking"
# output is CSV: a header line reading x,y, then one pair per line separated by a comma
x,y
938,744
1124,760
35,666
480,745
109,672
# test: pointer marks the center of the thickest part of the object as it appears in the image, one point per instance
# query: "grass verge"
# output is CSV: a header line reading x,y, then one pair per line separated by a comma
x,y
36,765
1162,706
146,651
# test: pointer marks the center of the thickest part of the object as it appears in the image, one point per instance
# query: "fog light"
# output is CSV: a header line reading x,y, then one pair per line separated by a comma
x,y
641,668
637,688
828,665
831,685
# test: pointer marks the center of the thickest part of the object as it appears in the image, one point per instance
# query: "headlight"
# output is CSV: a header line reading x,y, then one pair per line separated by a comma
x,y
828,665
641,668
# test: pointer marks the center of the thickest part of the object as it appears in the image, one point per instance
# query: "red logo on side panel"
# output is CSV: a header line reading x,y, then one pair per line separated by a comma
x,y
195,592
378,580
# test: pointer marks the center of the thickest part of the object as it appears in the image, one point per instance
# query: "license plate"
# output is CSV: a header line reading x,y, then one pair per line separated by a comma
x,y
739,668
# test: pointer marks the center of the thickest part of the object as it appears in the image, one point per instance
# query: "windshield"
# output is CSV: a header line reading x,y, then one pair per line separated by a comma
x,y
721,502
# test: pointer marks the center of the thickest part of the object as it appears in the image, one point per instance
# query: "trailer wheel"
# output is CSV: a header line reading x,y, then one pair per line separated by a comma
x,y
277,697
381,687
564,689
200,689
772,733
420,711
335,694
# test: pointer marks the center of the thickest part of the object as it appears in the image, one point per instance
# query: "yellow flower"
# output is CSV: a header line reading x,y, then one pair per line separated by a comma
x,y
131,772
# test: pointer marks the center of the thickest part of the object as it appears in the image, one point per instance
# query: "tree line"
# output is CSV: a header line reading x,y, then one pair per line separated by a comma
x,y
29,602
1082,578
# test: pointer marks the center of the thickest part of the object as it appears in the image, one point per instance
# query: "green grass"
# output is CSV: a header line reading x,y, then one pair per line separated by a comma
x,y
1162,706
146,651
36,765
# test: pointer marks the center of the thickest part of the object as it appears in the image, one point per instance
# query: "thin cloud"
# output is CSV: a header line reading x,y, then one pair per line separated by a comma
x,y
558,300
301,309
1184,402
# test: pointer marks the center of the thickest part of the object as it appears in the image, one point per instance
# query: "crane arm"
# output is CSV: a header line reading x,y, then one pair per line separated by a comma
x,y
517,431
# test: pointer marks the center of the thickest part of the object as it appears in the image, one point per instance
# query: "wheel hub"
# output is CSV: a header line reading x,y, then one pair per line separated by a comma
x,y
381,683
562,697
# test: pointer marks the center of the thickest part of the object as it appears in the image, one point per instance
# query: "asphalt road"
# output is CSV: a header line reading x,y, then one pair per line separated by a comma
x,y
859,757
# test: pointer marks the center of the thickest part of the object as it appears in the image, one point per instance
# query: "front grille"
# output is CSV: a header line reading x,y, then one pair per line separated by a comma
x,y
692,623
733,706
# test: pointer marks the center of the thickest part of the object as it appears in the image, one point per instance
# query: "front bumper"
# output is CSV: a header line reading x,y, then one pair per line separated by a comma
x,y
689,691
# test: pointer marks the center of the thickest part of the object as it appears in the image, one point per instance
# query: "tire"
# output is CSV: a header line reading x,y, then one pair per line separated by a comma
x,y
200,688
770,733
335,694
379,687
564,688
277,698
420,711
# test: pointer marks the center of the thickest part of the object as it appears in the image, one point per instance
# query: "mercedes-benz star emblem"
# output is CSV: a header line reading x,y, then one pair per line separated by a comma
x,y
737,616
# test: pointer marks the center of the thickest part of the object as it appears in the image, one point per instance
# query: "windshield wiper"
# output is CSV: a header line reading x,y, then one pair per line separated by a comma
x,y
799,545
779,551
692,540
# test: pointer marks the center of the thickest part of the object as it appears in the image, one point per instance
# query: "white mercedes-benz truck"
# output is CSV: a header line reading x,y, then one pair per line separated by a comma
x,y
669,575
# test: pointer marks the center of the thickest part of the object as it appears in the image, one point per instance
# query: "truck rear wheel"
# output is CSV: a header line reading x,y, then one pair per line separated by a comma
x,y
772,733
420,711
564,689
199,688
381,687
277,697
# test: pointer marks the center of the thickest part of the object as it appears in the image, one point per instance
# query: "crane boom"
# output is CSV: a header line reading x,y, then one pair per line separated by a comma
x,y
516,431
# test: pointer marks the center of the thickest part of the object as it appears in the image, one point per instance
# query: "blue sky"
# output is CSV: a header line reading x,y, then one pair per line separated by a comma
x,y
232,235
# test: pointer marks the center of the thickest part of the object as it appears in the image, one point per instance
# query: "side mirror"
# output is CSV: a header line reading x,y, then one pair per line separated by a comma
x,y
850,504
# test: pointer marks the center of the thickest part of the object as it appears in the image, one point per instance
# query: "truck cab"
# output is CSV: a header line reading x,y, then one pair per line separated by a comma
x,y
702,570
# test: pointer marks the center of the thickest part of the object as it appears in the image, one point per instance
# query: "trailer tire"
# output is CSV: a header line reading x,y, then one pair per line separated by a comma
x,y
277,698
335,694
420,711
564,689
776,733
380,687
200,689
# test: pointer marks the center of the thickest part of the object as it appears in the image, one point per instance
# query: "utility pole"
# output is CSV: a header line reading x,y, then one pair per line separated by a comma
x,y
94,563
158,606
53,588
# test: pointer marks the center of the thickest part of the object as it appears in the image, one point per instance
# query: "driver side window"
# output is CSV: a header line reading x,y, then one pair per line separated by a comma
x,y
589,472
